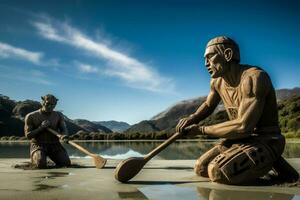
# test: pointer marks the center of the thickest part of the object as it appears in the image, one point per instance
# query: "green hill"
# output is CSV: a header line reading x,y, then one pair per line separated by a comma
x,y
289,116
164,123
161,126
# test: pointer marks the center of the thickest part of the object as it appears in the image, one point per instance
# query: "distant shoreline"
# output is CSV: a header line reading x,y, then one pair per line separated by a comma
x,y
289,140
79,141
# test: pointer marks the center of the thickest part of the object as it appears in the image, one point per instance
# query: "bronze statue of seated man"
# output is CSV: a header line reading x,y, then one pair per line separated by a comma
x,y
253,142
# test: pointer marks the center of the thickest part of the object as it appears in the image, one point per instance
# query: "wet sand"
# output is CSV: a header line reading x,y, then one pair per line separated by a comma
x,y
160,179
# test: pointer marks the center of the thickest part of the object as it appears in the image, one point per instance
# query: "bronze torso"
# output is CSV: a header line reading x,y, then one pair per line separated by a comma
x,y
233,96
34,119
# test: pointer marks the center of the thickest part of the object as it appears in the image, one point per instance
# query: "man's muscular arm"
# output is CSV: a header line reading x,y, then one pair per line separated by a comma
x,y
208,106
29,130
62,125
203,111
254,89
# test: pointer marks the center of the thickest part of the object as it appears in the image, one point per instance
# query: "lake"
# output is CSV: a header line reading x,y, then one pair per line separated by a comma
x,y
184,149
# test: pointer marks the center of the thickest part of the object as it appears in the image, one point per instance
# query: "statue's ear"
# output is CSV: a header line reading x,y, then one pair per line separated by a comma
x,y
228,54
42,98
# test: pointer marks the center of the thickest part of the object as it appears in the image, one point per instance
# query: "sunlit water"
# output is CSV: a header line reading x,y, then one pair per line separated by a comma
x,y
125,149
160,191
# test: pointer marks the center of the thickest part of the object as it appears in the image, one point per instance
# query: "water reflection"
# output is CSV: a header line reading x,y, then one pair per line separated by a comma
x,y
213,194
39,185
166,191
121,150
132,195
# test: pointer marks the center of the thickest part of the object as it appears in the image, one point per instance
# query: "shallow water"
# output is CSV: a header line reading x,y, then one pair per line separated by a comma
x,y
199,193
124,149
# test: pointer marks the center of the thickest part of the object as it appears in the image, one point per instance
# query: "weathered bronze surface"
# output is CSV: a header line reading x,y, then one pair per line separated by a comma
x,y
44,143
253,140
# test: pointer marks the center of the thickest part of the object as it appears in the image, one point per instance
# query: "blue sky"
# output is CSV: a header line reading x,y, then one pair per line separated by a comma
x,y
129,60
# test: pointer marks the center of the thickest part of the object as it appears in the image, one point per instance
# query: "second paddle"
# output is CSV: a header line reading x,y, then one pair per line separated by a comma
x,y
130,167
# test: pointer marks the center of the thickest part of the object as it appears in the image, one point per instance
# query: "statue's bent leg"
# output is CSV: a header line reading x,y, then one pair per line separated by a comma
x,y
59,155
242,163
38,156
203,161
285,171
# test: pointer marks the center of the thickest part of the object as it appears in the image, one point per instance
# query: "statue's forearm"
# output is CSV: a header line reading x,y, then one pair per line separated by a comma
x,y
203,111
241,127
33,133
233,129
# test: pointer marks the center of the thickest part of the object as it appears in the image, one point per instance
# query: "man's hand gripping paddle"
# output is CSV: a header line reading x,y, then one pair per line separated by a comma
x,y
98,160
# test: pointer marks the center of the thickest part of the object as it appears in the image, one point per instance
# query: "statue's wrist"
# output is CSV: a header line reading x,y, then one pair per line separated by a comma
x,y
41,128
202,130
192,118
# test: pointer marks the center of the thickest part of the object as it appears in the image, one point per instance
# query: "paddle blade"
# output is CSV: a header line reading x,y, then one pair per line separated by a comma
x,y
99,161
128,168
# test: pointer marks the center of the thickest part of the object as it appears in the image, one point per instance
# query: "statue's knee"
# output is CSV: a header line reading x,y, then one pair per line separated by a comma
x,y
39,163
215,173
39,160
200,168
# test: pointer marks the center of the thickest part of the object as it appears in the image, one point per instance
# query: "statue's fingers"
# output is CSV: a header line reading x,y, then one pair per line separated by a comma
x,y
181,128
180,122
178,127
184,124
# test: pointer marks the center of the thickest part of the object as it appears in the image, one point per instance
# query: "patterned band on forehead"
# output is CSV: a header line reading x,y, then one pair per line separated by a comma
x,y
222,40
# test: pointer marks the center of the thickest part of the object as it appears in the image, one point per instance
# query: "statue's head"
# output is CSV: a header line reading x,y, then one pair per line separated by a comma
x,y
48,102
219,53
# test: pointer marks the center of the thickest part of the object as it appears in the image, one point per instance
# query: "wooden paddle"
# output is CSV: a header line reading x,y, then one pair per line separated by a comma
x,y
130,167
98,160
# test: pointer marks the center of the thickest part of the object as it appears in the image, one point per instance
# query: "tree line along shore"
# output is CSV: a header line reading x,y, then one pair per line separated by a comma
x,y
288,112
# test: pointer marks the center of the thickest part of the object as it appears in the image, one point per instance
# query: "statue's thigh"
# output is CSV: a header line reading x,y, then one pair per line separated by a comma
x,y
241,163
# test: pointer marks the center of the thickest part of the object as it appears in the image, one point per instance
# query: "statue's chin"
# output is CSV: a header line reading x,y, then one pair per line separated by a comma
x,y
214,76
47,110
217,74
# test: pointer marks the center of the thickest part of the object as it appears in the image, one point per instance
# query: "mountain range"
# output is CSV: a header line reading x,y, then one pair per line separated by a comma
x,y
12,115
115,126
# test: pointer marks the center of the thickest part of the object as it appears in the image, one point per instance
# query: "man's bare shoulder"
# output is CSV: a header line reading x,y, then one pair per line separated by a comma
x,y
255,81
58,114
32,115
249,70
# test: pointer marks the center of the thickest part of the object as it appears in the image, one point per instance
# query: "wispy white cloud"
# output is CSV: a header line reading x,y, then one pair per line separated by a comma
x,y
33,76
129,69
9,51
85,68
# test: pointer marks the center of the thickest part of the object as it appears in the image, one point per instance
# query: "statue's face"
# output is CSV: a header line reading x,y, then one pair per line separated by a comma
x,y
48,104
214,62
